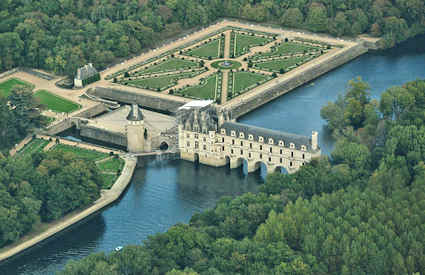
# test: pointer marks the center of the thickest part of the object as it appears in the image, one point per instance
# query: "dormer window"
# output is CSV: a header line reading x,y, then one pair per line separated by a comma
x,y
233,133
291,145
281,143
251,137
241,135
271,141
303,148
223,131
260,139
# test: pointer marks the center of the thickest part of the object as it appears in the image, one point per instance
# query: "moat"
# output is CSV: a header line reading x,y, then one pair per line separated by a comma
x,y
166,192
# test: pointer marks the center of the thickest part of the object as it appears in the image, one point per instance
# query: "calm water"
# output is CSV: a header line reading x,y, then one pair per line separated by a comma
x,y
165,192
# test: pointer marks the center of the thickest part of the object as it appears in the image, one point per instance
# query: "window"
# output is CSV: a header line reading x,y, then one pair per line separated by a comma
x,y
250,146
281,151
261,156
261,147
241,143
231,151
290,163
233,133
188,135
222,139
251,137
281,160
205,139
233,142
241,152
303,148
260,139
196,145
303,156
222,148
292,154
241,135
271,150
249,155
270,159
281,143
188,144
291,145
271,141
223,131
196,136
205,147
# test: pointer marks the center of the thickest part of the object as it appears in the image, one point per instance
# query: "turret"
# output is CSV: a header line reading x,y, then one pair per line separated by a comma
x,y
136,132
314,140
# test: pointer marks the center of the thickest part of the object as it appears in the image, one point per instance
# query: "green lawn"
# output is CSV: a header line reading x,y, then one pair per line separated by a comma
x,y
7,86
244,80
111,165
80,152
244,42
209,49
276,65
287,48
172,64
56,103
162,83
35,145
108,180
205,90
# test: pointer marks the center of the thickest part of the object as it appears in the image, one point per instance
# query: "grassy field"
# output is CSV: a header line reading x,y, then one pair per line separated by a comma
x,y
35,145
276,65
163,82
80,152
56,103
287,48
108,180
243,42
209,49
172,64
7,86
206,90
111,165
244,80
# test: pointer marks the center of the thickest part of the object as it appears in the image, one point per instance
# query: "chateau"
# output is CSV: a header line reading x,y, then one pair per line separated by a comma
x,y
209,136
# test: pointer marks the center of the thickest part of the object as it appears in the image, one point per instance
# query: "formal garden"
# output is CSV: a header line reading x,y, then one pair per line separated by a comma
x,y
221,65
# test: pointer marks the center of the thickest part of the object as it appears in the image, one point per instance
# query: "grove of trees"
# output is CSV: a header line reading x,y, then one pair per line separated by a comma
x,y
359,211
61,35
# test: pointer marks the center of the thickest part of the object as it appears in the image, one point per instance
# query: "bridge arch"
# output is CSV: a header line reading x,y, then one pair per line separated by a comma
x,y
243,163
281,170
196,158
262,168
163,146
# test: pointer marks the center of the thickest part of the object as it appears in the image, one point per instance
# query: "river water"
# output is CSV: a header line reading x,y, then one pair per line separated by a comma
x,y
166,192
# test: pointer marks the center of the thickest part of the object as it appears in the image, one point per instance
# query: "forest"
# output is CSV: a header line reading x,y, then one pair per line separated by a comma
x,y
44,186
62,35
358,211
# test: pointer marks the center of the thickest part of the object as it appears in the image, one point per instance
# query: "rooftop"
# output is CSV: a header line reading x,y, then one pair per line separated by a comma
x,y
86,72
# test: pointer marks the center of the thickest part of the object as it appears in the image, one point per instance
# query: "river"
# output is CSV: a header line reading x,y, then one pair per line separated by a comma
x,y
166,192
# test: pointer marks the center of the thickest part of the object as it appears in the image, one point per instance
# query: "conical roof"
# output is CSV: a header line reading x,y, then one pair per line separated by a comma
x,y
135,113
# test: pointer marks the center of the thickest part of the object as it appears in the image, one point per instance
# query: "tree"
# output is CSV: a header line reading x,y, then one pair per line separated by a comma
x,y
292,17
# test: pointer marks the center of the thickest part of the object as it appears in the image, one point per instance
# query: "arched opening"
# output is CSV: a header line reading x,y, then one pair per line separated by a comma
x,y
261,167
243,164
163,146
227,165
281,170
196,159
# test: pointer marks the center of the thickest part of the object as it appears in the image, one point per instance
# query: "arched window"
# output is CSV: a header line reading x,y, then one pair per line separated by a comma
x,y
233,133
251,137
223,131
241,135
291,145
271,141
303,148
260,139
281,143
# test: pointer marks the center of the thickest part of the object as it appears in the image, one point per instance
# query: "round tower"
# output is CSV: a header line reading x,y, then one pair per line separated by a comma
x,y
136,131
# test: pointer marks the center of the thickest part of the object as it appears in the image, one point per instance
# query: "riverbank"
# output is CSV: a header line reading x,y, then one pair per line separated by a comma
x,y
107,197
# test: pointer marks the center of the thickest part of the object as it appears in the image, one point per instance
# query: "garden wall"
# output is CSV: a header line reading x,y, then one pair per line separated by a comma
x,y
103,135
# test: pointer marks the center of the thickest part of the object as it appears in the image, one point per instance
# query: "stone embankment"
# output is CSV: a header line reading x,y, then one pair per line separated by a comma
x,y
107,197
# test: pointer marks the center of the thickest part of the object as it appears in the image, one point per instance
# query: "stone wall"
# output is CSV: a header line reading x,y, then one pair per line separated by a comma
x,y
103,135
152,102
313,72
91,111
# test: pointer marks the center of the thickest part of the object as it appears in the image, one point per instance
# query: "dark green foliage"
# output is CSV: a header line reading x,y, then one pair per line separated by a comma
x,y
43,187
19,114
63,35
91,79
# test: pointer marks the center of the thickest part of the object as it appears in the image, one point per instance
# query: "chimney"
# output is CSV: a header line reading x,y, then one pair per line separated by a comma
x,y
314,140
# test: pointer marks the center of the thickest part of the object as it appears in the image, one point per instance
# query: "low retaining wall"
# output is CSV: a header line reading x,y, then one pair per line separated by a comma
x,y
107,198
103,135
91,111
247,105
145,100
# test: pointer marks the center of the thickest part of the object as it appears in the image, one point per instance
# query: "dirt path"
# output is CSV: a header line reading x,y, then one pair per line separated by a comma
x,y
226,44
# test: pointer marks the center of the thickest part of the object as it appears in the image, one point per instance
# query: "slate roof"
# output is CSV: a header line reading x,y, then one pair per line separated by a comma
x,y
86,72
287,138
135,113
